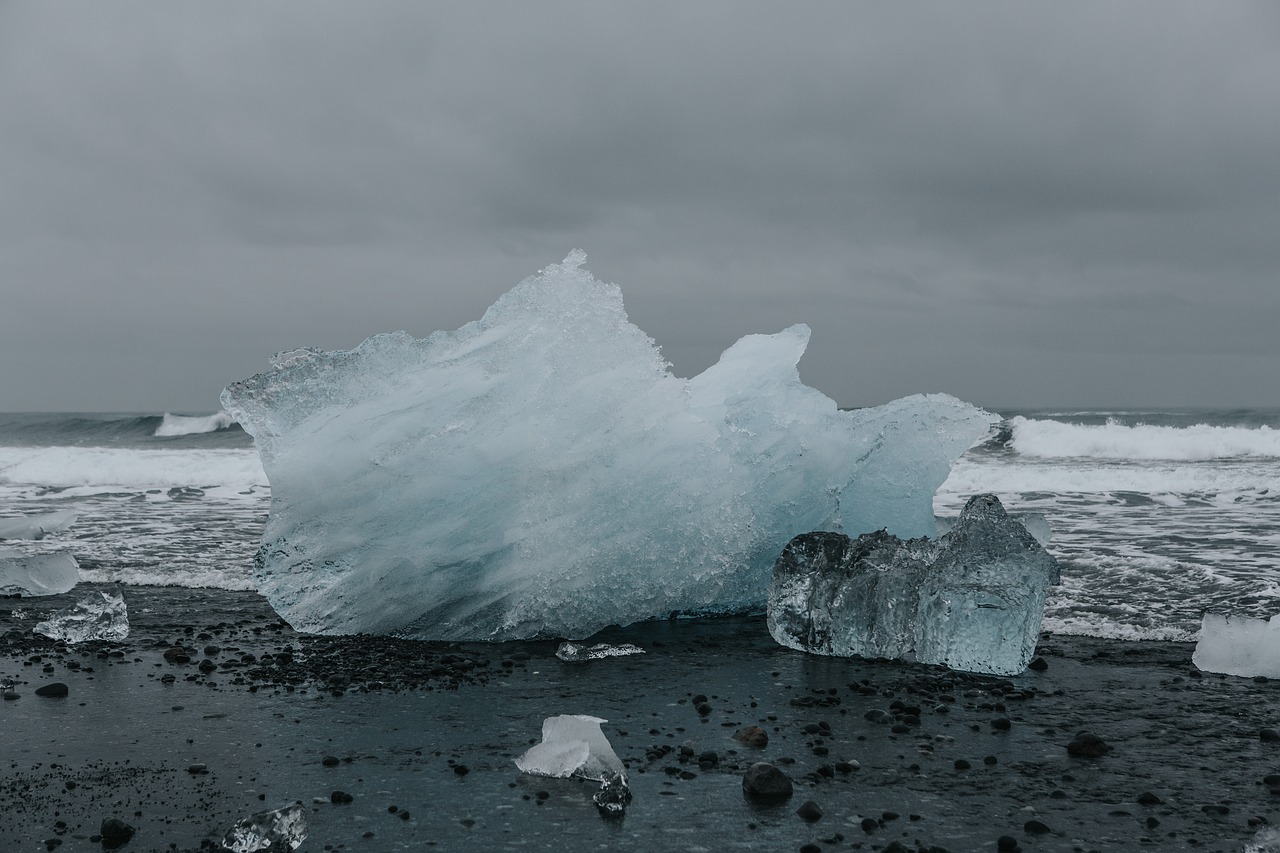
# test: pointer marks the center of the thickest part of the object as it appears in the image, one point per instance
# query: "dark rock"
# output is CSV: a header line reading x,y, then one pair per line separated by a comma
x,y
461,769
1146,798
870,824
1039,664
115,833
329,761
703,708
340,798
809,811
1001,724
1035,827
1269,735
1007,843
10,695
764,783
56,690
961,764
752,736
1088,745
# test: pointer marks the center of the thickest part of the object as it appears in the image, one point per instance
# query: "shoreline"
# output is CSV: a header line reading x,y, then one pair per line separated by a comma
x,y
433,730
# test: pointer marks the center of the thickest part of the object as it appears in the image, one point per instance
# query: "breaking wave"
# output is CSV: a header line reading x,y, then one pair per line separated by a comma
x,y
171,425
1047,439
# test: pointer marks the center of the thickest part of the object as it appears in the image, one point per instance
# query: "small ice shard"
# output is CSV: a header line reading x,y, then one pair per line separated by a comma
x,y
275,831
613,797
1266,841
574,652
833,595
572,745
37,574
982,600
36,526
541,472
1238,645
98,616
973,600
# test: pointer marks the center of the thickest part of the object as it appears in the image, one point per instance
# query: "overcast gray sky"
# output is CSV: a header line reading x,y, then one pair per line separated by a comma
x,y
1022,204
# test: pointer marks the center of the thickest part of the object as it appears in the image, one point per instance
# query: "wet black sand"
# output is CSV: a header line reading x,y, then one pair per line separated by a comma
x,y
891,753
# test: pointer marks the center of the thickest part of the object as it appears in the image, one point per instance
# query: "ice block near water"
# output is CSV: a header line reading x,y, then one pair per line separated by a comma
x,y
973,600
982,600
834,595
97,616
37,574
1238,645
36,526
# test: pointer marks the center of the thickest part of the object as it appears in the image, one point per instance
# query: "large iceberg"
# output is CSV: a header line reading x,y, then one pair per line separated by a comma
x,y
1238,645
541,472
972,600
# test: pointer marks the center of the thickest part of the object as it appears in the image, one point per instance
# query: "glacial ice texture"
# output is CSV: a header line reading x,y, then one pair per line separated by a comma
x,y
279,830
97,616
37,574
973,600
982,600
573,745
1238,645
540,472
36,526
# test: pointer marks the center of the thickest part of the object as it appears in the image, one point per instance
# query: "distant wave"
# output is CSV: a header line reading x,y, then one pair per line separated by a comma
x,y
1045,439
125,468
172,425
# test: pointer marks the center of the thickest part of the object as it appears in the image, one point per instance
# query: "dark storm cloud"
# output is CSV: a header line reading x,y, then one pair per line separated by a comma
x,y
1019,204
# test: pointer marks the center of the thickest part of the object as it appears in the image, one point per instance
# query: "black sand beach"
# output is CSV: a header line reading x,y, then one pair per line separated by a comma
x,y
895,756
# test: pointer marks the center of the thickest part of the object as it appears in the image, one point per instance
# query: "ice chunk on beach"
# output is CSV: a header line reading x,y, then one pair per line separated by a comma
x,y
1238,645
97,616
37,574
572,745
541,473
982,600
833,595
36,526
1037,525
574,652
973,600
279,830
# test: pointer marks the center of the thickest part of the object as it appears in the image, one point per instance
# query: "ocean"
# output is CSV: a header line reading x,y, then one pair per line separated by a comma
x,y
1157,516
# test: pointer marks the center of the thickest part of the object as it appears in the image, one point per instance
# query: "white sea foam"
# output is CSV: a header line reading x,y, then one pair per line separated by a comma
x,y
1046,439
173,425
971,475
106,468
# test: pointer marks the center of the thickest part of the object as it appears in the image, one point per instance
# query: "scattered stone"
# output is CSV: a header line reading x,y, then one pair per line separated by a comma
x,y
809,811
1269,735
1007,844
1001,724
1039,664
765,783
1035,827
1088,745
115,833
340,798
1146,798
329,761
56,690
752,736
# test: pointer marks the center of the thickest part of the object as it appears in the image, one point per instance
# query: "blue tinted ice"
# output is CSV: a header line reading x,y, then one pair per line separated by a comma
x,y
37,574
281,829
541,472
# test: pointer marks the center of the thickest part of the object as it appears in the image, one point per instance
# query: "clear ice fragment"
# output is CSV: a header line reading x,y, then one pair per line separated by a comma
x,y
574,652
36,526
982,599
1037,525
97,616
275,831
971,600
540,472
37,574
613,797
1238,645
572,745
833,595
